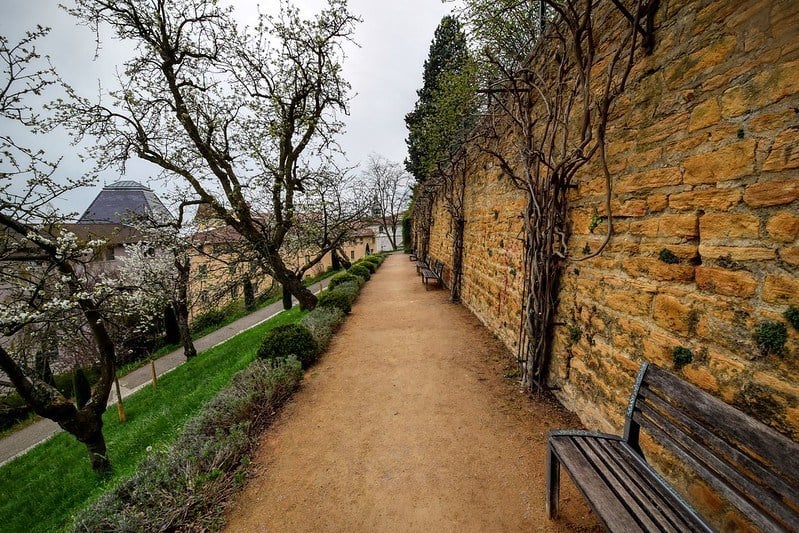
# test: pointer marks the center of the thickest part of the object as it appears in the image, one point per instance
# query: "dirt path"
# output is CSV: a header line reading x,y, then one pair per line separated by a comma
x,y
408,424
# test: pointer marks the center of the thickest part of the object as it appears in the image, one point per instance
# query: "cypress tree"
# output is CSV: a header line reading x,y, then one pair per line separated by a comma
x,y
448,54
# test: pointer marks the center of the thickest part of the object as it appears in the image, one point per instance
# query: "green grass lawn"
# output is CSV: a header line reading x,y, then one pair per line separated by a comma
x,y
42,489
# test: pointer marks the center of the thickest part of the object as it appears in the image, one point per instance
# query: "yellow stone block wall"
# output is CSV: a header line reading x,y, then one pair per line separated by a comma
x,y
704,152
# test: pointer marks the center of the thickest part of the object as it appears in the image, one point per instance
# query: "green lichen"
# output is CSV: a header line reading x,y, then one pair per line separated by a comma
x,y
681,356
770,337
668,257
792,316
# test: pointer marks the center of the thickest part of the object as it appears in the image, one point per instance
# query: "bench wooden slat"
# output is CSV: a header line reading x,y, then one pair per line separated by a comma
x,y
675,507
730,424
699,458
662,506
634,495
728,460
750,464
611,511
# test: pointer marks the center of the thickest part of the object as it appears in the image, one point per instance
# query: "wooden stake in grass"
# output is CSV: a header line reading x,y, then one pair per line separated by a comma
x,y
152,370
120,408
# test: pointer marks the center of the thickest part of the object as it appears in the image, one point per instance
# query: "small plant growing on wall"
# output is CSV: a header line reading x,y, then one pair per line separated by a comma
x,y
575,334
681,356
770,337
792,315
668,257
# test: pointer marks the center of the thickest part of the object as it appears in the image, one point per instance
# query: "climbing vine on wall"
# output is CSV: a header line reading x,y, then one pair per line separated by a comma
x,y
545,120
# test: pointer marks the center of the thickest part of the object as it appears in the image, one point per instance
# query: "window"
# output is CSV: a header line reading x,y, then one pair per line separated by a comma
x,y
202,271
234,292
307,259
109,253
352,254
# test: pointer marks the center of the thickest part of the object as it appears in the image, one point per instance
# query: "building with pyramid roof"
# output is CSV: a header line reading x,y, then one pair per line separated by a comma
x,y
123,202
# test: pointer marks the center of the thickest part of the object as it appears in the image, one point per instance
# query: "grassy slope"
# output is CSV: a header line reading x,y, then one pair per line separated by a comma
x,y
41,489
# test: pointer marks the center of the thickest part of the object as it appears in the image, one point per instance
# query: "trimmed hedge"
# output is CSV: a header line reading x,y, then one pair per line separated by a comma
x,y
185,486
289,339
323,322
371,265
344,277
361,271
335,299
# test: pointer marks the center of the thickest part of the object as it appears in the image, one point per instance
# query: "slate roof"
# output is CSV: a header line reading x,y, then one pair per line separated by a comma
x,y
123,201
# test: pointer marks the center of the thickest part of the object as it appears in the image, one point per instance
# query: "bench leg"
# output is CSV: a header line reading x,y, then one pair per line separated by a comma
x,y
553,483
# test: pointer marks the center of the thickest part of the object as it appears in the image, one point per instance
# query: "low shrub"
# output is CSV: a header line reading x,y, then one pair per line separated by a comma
x,y
208,319
361,271
369,265
344,277
323,322
336,299
289,339
184,486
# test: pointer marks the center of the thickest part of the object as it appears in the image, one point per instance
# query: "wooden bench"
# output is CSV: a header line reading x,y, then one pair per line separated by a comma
x,y
751,465
422,264
433,274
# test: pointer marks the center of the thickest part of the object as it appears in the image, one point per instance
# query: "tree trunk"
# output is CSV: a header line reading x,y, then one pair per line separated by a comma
x,y
287,299
87,427
342,258
181,305
457,259
171,327
249,294
335,260
182,315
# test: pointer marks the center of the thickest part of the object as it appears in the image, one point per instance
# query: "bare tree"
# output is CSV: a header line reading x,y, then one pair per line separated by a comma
x,y
247,117
47,292
390,191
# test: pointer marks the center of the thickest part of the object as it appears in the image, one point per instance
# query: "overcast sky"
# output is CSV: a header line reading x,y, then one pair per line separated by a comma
x,y
385,72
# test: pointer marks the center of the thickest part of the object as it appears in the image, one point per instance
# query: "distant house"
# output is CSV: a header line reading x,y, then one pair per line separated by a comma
x,y
112,213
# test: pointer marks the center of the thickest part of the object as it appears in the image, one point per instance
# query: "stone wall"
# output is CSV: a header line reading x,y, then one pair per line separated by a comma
x,y
704,152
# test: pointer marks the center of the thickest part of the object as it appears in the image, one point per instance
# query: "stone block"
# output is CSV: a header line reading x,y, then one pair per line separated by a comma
x,y
716,226
646,228
784,153
709,199
737,253
727,282
682,225
649,179
628,302
781,289
657,270
770,193
705,114
723,164
783,227
790,255
768,86
657,202
672,315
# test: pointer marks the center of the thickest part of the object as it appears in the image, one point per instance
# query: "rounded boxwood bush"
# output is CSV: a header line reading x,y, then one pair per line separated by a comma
x,y
289,339
366,264
344,277
361,271
337,299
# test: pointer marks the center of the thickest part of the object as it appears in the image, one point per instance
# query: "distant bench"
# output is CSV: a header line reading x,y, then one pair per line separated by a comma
x,y
433,274
753,466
